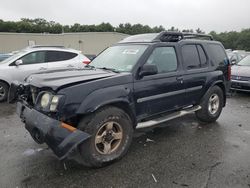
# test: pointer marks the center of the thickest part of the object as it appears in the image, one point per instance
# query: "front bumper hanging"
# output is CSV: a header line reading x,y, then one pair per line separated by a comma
x,y
63,140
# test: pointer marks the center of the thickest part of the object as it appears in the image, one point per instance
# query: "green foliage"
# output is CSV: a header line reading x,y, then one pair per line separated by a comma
x,y
232,40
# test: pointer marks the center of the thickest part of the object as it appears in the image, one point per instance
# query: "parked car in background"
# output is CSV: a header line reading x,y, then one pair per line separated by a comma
x,y
4,56
241,75
236,55
34,60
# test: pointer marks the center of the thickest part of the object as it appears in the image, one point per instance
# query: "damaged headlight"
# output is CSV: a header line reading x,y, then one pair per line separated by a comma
x,y
45,100
54,103
49,102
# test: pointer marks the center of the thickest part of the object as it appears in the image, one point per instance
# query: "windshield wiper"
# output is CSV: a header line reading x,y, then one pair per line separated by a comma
x,y
110,69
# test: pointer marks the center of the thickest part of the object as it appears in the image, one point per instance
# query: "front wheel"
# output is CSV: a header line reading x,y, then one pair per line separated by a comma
x,y
211,104
4,89
111,129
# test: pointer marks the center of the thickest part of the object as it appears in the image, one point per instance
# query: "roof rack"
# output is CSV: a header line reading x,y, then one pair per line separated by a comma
x,y
165,36
197,35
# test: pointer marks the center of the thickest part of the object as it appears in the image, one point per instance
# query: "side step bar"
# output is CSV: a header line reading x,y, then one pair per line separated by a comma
x,y
163,119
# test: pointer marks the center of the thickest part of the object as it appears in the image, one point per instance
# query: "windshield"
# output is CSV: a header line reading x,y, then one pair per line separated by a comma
x,y
12,58
120,58
245,61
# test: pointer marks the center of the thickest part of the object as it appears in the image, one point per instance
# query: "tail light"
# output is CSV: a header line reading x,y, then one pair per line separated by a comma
x,y
229,72
86,62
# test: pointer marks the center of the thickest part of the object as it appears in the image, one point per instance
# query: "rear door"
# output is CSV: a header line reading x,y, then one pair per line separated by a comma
x,y
61,59
164,91
195,63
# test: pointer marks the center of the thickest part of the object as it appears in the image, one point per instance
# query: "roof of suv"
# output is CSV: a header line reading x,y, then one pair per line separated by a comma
x,y
54,48
164,36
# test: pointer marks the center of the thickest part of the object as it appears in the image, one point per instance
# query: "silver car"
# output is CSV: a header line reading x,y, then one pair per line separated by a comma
x,y
241,75
36,59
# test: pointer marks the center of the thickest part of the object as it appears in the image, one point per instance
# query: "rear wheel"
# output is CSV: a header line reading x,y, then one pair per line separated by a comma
x,y
111,130
211,104
4,89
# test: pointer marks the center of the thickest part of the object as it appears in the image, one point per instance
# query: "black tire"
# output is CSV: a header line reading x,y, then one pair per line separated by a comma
x,y
4,89
207,114
90,152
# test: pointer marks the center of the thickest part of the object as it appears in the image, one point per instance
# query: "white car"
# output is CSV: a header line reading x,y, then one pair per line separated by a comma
x,y
34,60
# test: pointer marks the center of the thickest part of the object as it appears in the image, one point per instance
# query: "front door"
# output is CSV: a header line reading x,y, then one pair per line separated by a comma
x,y
164,91
33,62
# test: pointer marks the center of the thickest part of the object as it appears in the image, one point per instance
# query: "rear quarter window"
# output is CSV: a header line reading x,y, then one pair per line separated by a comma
x,y
218,54
54,56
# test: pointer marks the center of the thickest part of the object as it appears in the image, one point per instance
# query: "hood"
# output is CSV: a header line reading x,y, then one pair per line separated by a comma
x,y
243,71
60,78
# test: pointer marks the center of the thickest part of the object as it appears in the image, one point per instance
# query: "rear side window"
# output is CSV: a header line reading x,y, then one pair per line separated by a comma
x,y
218,54
191,56
194,56
54,56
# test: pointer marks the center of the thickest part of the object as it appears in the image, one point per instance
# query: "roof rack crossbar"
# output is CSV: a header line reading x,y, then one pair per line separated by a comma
x,y
197,35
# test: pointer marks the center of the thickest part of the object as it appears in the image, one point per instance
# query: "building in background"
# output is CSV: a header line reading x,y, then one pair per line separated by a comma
x,y
88,42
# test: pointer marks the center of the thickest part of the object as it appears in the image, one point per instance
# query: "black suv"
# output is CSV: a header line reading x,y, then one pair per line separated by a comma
x,y
90,114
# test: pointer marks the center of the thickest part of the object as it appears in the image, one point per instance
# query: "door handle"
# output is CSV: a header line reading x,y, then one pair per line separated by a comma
x,y
179,79
70,66
42,68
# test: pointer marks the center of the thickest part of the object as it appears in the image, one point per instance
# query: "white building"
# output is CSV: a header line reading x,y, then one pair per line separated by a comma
x,y
88,42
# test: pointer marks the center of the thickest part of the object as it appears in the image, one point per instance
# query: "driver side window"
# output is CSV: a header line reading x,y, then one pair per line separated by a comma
x,y
33,58
164,58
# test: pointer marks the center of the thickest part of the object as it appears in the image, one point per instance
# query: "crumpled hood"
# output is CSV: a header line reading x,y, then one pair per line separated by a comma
x,y
241,71
60,78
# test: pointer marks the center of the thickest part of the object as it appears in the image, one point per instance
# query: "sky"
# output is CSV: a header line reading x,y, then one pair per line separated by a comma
x,y
208,15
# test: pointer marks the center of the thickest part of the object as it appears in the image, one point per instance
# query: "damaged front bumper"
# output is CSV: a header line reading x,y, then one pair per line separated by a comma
x,y
61,139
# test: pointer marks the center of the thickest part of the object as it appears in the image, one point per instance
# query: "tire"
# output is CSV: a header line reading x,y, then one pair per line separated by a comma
x,y
105,125
211,105
4,89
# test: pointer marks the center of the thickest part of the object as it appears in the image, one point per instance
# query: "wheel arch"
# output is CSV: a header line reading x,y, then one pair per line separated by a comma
x,y
121,104
126,108
223,88
1,80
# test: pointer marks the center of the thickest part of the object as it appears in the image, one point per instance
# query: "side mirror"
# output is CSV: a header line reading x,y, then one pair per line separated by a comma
x,y
147,70
233,62
18,62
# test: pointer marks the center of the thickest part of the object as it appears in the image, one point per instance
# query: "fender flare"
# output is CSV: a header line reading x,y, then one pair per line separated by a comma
x,y
5,80
105,96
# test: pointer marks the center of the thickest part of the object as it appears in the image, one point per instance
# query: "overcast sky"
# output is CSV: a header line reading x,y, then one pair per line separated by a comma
x,y
218,15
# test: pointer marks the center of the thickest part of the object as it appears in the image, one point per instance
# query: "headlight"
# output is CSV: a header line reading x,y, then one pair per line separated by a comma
x,y
45,100
54,103
50,102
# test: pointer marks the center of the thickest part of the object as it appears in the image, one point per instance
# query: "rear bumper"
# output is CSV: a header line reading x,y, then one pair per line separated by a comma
x,y
240,85
44,129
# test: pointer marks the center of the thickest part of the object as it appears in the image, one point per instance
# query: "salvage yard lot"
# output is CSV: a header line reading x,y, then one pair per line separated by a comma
x,y
183,154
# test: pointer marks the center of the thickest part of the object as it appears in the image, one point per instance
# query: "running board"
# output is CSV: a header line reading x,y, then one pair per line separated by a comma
x,y
167,117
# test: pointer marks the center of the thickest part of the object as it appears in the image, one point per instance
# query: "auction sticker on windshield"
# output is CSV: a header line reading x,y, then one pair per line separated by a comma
x,y
131,51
